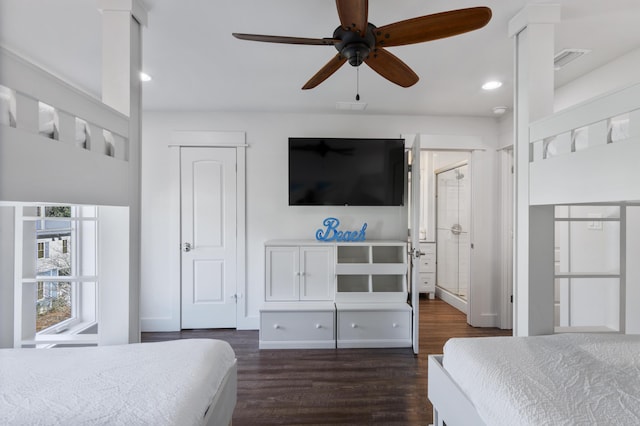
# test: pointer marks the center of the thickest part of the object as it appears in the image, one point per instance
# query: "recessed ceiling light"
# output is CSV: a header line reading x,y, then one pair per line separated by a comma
x,y
491,85
144,76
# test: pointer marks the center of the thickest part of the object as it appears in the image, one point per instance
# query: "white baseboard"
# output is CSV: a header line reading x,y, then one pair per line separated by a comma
x,y
452,299
159,324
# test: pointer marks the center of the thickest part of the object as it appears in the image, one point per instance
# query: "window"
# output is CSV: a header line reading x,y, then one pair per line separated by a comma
x,y
63,280
43,250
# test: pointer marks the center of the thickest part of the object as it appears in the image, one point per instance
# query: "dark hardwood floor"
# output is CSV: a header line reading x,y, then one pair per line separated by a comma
x,y
341,386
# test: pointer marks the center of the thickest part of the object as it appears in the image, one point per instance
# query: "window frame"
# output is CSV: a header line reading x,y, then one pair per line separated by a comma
x,y
82,244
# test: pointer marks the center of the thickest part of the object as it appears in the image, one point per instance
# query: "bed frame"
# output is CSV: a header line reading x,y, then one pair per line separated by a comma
x,y
220,412
449,401
582,172
96,171
570,163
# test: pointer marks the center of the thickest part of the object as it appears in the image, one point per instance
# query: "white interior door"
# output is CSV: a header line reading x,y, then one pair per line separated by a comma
x,y
415,240
208,231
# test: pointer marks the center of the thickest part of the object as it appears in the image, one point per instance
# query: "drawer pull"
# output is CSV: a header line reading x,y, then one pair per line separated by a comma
x,y
276,326
354,325
395,325
318,326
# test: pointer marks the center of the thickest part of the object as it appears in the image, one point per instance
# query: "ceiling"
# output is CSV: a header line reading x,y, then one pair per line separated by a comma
x,y
197,65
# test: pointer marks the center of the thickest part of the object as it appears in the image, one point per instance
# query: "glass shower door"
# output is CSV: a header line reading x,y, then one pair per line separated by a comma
x,y
452,230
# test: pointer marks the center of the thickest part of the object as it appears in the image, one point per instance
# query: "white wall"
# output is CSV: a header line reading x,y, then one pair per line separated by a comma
x,y
505,130
616,74
268,213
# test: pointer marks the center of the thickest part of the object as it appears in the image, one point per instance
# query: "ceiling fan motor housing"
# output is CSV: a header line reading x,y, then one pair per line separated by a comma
x,y
353,46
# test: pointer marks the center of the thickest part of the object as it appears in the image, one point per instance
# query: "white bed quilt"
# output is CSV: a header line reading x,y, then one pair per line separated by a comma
x,y
165,383
562,379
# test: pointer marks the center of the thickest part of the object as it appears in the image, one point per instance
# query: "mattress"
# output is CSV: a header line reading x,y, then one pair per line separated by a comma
x,y
7,116
48,125
562,379
165,383
47,119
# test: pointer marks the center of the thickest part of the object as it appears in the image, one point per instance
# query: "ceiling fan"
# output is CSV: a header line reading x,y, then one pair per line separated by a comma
x,y
358,40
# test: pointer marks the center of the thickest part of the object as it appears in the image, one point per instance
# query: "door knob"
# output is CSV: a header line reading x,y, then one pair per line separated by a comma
x,y
186,247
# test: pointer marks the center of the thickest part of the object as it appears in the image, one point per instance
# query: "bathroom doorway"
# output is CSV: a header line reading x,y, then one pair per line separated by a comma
x,y
453,221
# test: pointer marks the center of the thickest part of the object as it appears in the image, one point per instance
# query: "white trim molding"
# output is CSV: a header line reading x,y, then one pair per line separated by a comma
x,y
220,139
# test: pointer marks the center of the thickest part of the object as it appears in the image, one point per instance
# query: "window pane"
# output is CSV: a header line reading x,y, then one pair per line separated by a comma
x,y
57,211
55,304
54,247
65,247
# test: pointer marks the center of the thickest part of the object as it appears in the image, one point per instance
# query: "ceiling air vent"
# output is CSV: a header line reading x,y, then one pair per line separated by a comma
x,y
565,56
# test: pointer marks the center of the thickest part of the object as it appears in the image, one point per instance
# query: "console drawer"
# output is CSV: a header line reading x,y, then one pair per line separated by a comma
x,y
373,328
427,282
297,329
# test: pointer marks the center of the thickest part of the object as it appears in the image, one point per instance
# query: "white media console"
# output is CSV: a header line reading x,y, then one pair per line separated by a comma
x,y
328,295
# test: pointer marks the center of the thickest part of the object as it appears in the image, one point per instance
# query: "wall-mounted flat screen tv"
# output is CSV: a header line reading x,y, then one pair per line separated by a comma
x,y
346,172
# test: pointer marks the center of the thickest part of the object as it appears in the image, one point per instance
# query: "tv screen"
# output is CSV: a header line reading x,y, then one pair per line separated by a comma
x,y
346,172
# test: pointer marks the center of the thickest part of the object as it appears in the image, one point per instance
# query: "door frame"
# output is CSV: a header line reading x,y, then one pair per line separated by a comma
x,y
211,139
506,181
414,240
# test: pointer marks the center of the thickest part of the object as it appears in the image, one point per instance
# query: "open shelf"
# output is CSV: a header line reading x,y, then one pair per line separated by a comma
x,y
353,254
371,272
388,254
387,283
353,283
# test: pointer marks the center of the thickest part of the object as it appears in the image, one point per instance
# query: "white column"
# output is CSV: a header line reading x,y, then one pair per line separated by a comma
x,y
7,275
122,22
533,32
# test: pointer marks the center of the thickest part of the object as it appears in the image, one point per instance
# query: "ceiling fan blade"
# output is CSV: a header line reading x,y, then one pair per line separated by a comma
x,y
432,27
353,14
286,40
325,72
390,67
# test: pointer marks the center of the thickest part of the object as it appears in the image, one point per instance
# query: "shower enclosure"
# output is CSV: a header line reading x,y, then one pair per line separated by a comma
x,y
453,203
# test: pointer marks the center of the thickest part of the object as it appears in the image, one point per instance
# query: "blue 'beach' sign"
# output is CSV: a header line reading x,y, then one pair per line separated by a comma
x,y
331,233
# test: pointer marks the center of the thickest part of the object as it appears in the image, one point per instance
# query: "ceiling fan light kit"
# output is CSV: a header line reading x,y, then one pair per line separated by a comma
x,y
359,41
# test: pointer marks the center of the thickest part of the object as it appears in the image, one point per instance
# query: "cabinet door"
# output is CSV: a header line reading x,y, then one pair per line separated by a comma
x,y
282,273
317,273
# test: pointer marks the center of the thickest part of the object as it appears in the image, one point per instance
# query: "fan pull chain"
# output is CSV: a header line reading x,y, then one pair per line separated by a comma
x,y
358,78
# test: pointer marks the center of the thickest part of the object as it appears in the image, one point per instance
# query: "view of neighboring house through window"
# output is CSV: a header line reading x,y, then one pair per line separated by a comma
x,y
65,269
